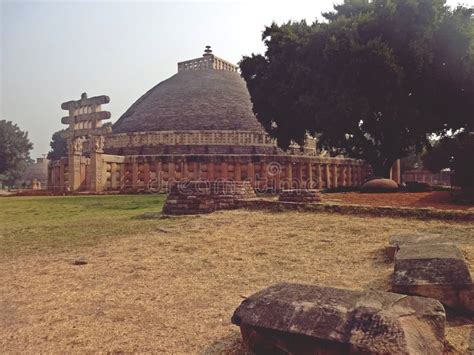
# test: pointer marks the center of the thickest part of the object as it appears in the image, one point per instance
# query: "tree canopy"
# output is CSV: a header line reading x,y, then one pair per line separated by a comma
x,y
14,151
58,146
373,81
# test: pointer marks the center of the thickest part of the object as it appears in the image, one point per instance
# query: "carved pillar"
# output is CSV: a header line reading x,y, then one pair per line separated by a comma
x,y
349,175
238,171
61,176
224,170
334,176
251,174
310,184
320,178
289,175
98,168
328,176
74,163
197,171
210,171
146,175
395,172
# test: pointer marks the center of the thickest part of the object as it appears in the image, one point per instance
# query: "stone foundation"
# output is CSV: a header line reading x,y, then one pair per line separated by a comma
x,y
195,197
300,195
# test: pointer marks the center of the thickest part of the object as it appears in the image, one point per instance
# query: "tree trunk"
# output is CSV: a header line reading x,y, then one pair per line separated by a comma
x,y
382,169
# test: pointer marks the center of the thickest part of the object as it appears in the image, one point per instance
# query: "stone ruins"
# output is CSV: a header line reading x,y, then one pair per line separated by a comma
x,y
426,265
305,319
196,125
196,197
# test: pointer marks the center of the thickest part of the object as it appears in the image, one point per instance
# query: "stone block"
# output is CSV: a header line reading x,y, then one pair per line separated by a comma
x,y
398,240
308,319
437,271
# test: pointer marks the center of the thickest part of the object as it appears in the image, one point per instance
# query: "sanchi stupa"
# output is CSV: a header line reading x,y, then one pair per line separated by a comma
x,y
196,125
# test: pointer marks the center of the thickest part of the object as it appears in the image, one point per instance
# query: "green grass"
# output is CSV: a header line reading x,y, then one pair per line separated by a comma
x,y
31,223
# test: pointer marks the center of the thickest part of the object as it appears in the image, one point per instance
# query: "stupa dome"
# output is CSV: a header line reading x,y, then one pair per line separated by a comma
x,y
207,93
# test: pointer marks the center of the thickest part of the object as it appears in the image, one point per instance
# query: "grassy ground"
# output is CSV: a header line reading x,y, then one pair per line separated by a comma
x,y
171,285
28,223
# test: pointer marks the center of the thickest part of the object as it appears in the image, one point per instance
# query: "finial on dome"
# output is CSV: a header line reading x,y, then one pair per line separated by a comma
x,y
207,51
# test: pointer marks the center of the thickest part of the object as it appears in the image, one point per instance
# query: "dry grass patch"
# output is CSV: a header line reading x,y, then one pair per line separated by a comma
x,y
174,289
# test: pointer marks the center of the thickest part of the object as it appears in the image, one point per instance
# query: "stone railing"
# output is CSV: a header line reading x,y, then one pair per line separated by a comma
x,y
156,172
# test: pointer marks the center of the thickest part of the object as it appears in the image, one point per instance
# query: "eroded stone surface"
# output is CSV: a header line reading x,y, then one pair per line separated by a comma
x,y
300,319
438,271
400,239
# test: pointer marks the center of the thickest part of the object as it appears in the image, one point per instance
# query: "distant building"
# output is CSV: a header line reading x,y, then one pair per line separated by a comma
x,y
443,178
35,175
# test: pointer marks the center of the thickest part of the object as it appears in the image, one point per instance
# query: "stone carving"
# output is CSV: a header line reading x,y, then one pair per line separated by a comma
x,y
76,145
434,270
309,319
98,144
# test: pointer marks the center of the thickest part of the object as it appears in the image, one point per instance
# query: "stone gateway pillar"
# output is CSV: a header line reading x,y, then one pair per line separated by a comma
x,y
86,135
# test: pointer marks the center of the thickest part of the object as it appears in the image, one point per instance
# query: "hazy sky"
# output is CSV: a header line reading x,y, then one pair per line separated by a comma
x,y
51,52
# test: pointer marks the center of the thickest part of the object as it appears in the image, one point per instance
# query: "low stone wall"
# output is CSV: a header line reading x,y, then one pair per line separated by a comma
x,y
195,197
365,210
300,195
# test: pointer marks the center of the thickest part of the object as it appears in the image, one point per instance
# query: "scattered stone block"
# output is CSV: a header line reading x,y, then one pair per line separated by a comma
x,y
300,195
379,185
308,319
437,271
196,197
398,240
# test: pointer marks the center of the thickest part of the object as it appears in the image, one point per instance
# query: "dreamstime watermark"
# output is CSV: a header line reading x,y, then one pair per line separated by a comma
x,y
273,180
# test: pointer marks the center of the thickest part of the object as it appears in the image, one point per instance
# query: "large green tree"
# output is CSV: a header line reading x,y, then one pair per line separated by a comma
x,y
58,146
14,151
373,81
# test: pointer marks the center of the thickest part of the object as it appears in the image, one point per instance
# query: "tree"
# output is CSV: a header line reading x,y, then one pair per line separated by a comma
x,y
454,152
374,81
14,151
58,146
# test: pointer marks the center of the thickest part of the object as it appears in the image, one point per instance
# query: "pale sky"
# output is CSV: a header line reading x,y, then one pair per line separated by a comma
x,y
51,52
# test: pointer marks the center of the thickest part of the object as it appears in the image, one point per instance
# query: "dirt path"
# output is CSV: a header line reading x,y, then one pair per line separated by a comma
x,y
435,199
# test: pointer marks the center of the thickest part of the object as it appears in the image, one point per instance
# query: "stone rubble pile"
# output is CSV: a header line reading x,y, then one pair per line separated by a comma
x,y
195,197
300,195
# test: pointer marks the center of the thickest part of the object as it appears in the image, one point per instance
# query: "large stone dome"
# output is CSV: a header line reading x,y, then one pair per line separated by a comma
x,y
192,100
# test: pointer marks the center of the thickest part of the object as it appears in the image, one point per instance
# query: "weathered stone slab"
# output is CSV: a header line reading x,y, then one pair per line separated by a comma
x,y
400,239
309,319
438,271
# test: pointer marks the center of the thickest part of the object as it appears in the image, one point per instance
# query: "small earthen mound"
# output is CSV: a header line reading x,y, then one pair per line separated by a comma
x,y
379,185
